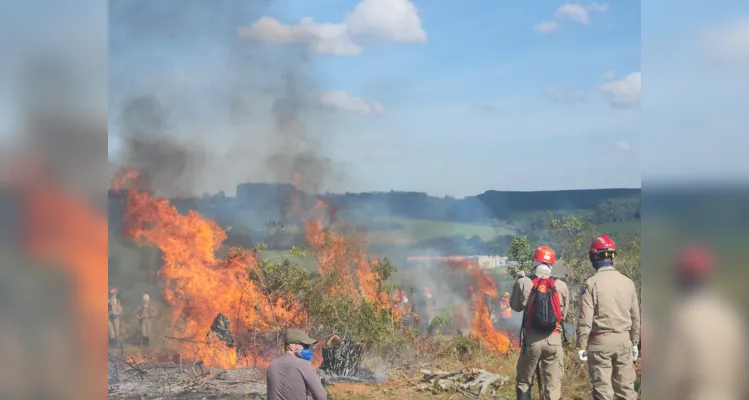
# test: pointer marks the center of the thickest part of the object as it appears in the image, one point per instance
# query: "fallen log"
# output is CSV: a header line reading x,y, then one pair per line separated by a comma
x,y
473,383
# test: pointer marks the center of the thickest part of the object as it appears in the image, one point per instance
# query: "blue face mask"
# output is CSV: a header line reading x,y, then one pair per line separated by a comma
x,y
306,354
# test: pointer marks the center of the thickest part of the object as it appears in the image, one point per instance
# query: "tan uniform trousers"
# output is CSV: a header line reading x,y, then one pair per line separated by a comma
x,y
114,328
544,351
145,327
611,367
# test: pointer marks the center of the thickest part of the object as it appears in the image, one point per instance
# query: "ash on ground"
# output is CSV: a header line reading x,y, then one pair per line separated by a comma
x,y
363,375
167,382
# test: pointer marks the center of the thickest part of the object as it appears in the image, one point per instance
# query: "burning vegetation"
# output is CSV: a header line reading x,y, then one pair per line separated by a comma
x,y
229,312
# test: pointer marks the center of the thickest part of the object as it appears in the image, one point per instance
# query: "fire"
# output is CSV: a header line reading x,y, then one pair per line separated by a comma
x,y
65,229
482,328
198,285
343,256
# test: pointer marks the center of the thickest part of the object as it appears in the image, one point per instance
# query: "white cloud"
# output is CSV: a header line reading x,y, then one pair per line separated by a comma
x,y
579,12
574,12
624,93
608,75
343,101
546,26
729,43
372,21
623,145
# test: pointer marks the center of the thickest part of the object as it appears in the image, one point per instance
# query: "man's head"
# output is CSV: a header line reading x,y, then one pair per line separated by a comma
x,y
543,258
694,266
602,251
146,298
297,340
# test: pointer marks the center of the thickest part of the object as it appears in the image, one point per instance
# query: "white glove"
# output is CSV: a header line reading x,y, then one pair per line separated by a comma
x,y
635,353
582,355
520,274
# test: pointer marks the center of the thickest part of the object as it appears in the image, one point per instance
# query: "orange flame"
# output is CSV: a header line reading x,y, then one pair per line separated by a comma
x,y
482,328
65,229
343,255
198,285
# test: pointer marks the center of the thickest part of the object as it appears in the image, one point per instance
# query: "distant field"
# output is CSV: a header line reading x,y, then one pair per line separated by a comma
x,y
418,230
307,263
620,228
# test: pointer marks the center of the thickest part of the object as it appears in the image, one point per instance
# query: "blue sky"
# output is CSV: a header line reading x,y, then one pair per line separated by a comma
x,y
440,97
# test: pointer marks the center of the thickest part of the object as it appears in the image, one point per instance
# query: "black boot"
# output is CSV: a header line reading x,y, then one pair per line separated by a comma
x,y
523,395
146,341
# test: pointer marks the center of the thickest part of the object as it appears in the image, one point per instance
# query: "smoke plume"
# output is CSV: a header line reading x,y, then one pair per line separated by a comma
x,y
200,124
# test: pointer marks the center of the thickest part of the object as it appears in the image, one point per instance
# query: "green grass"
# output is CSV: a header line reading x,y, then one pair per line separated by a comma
x,y
307,262
418,230
620,228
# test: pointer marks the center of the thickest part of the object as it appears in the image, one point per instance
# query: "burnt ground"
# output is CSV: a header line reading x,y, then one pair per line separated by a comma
x,y
166,382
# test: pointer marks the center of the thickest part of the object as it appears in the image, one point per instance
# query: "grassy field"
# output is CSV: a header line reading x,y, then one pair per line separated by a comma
x,y
620,228
307,263
418,230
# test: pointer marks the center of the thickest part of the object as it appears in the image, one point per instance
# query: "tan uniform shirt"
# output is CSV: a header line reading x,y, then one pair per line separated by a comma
x,y
522,290
115,308
608,304
146,312
705,351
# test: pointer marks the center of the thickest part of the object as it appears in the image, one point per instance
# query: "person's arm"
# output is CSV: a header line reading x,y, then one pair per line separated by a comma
x,y
584,317
520,293
564,294
313,382
634,312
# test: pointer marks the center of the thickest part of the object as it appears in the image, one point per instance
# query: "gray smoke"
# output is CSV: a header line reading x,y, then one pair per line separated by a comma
x,y
254,117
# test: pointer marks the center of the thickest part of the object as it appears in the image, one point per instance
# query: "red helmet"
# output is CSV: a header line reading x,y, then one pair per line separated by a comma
x,y
601,248
545,255
426,290
403,292
602,244
470,288
696,261
113,291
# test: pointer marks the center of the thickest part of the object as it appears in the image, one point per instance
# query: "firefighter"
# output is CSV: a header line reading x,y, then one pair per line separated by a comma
x,y
403,303
146,313
608,325
428,304
712,330
541,345
115,309
504,306
488,303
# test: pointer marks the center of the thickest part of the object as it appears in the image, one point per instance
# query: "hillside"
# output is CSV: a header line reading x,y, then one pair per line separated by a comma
x,y
411,222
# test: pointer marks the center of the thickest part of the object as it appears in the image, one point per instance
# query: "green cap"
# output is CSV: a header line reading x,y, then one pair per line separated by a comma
x,y
298,336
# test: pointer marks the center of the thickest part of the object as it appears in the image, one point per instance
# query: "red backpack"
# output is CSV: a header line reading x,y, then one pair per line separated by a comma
x,y
544,312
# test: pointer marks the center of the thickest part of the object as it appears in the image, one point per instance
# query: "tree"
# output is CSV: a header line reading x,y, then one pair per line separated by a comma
x,y
572,235
522,252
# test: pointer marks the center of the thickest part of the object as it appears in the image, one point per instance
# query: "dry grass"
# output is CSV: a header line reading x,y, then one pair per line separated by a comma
x,y
401,358
447,353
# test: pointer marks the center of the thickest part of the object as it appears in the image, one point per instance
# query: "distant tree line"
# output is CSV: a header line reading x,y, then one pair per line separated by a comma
x,y
261,213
